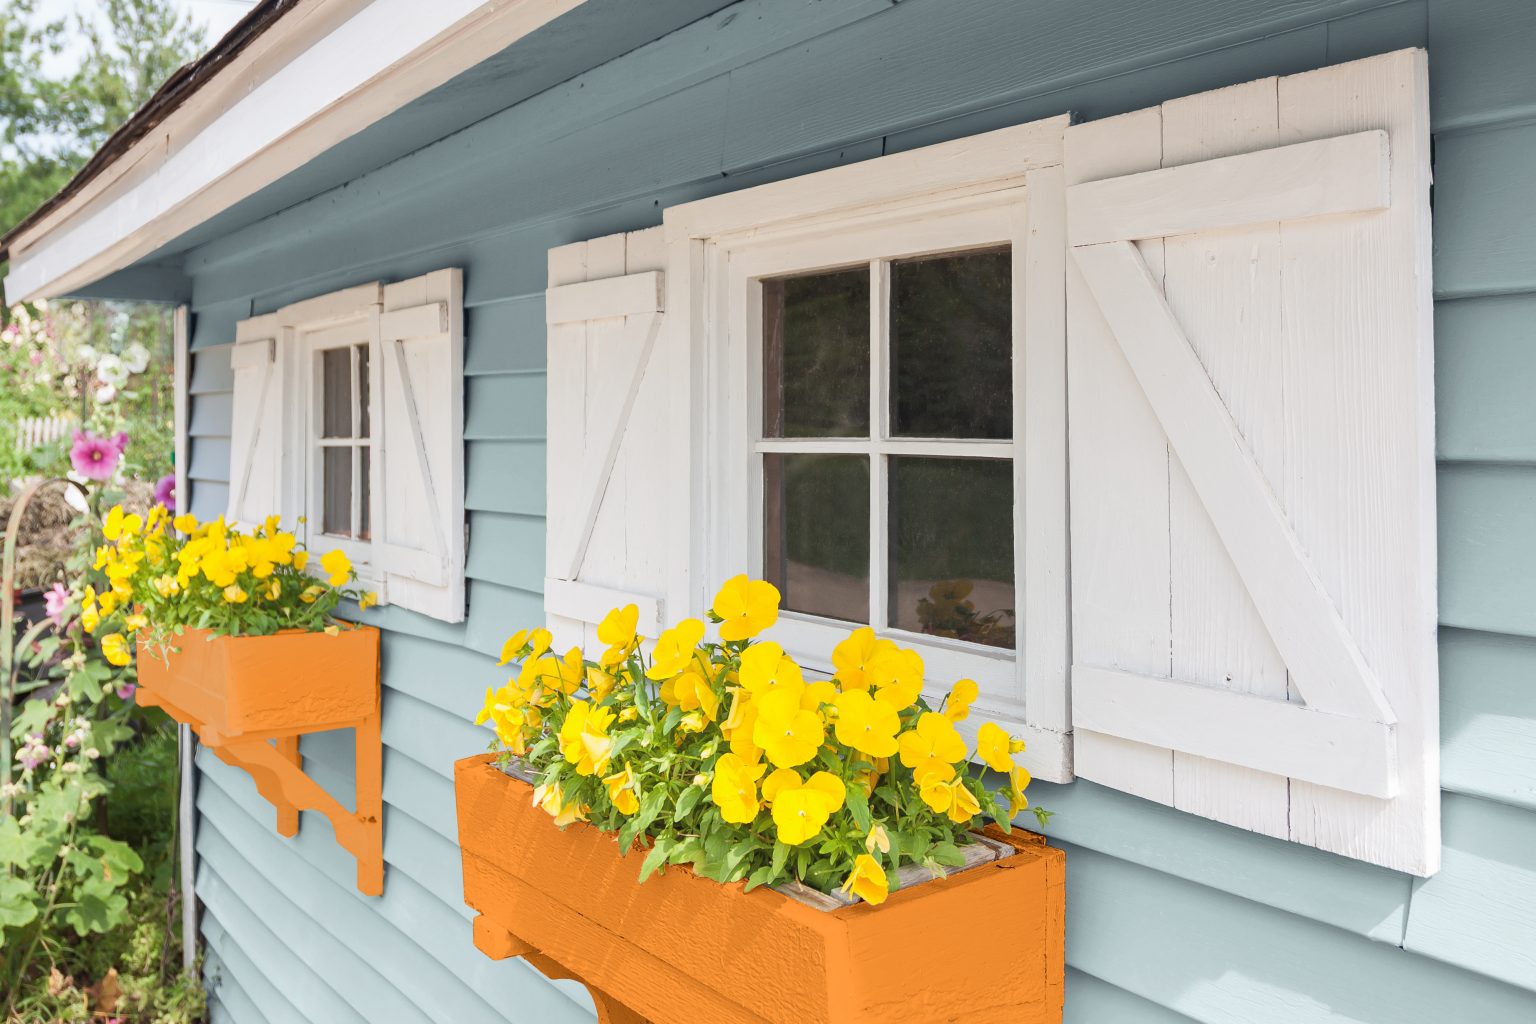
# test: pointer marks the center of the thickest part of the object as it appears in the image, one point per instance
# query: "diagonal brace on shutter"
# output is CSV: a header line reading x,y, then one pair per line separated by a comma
x,y
1344,175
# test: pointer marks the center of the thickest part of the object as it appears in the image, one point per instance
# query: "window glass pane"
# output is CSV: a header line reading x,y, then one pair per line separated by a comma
x,y
952,345
336,513
336,392
816,355
951,544
816,533
364,486
362,389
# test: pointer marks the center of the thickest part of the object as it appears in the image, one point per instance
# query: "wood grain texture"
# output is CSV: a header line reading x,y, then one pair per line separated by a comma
x,y
745,951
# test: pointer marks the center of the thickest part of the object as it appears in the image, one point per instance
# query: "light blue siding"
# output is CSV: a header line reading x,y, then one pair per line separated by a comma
x,y
1172,918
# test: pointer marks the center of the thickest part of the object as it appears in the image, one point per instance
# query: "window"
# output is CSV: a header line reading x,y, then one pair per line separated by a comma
x,y
349,425
887,444
341,446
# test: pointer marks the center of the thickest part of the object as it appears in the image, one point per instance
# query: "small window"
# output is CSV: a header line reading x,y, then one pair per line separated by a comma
x,y
342,435
887,444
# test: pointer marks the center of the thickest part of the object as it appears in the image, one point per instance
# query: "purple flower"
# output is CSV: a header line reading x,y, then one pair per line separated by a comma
x,y
165,492
55,601
96,458
125,691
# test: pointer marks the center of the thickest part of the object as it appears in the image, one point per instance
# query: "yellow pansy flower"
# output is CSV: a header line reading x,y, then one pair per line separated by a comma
x,y
300,560
992,747
134,623
186,524
867,881
166,586
746,607
799,812
1018,779
274,589
552,799
621,791
368,600
234,595
766,667
691,692
584,738
514,643
738,725
674,649
852,657
618,627
789,734
734,788
338,567
878,839
311,593
963,804
599,683
897,676
961,696
933,745
119,524
780,780
935,790
114,647
865,724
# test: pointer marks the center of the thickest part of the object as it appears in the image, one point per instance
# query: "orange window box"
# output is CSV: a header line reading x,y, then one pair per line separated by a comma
x,y
250,698
982,945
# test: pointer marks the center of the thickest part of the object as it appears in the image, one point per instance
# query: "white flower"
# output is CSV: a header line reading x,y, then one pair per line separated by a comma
x,y
105,394
86,354
112,371
136,358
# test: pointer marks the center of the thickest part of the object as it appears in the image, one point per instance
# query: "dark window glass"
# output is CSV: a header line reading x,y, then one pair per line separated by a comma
x,y
336,393
364,486
816,355
816,533
952,346
337,510
362,389
951,547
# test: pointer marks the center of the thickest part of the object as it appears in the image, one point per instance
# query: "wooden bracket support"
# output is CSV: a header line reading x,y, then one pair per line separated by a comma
x,y
499,944
273,761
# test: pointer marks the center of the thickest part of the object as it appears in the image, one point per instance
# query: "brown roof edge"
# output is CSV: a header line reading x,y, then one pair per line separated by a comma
x,y
184,81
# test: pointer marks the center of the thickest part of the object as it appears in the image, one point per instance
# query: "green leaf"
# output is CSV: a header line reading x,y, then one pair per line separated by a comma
x,y
22,848
858,804
670,722
97,908
118,858
947,853
656,858
762,876
780,858
687,800
16,904
650,807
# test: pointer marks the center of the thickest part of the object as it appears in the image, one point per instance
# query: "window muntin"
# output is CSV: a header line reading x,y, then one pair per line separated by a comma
x,y
903,519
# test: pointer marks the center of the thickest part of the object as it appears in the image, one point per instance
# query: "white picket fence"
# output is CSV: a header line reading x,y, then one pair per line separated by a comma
x,y
32,431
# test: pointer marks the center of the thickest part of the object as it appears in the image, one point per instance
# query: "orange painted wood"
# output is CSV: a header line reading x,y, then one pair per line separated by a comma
x,y
984,945
288,683
249,699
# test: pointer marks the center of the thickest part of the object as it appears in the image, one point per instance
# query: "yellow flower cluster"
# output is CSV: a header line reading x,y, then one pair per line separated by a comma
x,y
725,755
162,574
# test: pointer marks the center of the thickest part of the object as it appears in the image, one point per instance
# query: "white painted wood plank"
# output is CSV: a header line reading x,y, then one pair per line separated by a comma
x,y
1118,468
1347,174
1360,439
1224,287
588,602
421,321
1324,660
608,297
1040,465
1266,735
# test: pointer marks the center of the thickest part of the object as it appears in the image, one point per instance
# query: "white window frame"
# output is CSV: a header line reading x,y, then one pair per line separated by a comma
x,y
313,341
1003,187
346,317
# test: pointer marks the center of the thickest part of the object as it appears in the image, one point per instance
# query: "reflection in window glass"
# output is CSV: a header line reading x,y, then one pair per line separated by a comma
x,y
816,533
362,389
816,355
337,469
364,484
952,346
951,548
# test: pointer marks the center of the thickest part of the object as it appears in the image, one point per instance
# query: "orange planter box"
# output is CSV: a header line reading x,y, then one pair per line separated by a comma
x,y
983,945
250,698
233,686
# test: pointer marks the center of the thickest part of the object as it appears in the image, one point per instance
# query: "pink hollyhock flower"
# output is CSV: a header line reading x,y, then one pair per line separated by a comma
x,y
125,691
55,600
96,458
165,492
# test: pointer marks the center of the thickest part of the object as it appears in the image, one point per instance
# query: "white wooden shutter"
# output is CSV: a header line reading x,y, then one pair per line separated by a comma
x,y
418,468
608,434
258,421
1252,458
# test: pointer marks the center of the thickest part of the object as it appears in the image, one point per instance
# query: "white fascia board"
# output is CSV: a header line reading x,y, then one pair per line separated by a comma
x,y
201,161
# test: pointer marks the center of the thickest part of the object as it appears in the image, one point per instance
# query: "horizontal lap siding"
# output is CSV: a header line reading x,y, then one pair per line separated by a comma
x,y
1171,918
